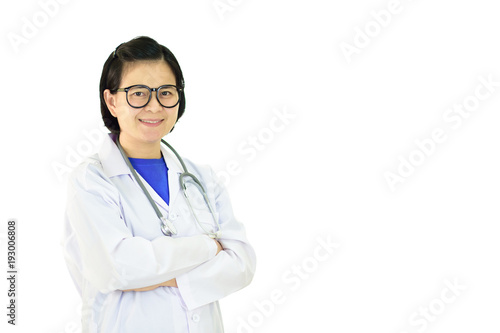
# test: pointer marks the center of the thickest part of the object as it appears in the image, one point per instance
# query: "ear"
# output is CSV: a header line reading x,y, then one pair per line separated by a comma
x,y
110,100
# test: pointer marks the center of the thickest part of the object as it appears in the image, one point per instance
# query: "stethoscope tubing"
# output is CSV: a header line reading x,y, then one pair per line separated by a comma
x,y
167,227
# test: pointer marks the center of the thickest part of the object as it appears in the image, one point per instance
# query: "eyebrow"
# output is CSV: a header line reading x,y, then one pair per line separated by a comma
x,y
142,84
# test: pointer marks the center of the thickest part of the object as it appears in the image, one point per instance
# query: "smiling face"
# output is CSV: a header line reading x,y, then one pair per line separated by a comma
x,y
142,129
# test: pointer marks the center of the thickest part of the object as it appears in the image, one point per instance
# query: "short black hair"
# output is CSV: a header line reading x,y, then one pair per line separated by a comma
x,y
137,49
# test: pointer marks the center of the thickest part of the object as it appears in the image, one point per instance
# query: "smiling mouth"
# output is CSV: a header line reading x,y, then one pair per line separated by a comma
x,y
151,121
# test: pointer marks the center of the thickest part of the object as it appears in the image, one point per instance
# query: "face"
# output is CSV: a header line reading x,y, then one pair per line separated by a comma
x,y
147,125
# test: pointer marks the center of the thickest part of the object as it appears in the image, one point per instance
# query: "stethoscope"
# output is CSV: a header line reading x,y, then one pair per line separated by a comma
x,y
167,227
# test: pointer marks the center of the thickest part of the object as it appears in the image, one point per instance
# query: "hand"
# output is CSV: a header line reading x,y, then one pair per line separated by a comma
x,y
219,246
169,283
144,289
173,282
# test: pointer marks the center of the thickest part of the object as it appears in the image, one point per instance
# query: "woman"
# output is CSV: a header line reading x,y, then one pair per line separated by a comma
x,y
135,274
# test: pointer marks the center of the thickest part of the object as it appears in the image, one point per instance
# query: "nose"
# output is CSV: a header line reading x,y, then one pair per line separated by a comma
x,y
153,105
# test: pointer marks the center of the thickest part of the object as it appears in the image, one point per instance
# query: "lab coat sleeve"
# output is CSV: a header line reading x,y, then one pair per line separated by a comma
x,y
231,270
108,256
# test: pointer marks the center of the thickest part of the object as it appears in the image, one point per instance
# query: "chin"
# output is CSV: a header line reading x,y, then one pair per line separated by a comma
x,y
154,137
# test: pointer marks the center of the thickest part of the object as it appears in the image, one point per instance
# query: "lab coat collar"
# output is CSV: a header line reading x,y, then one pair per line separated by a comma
x,y
111,158
114,165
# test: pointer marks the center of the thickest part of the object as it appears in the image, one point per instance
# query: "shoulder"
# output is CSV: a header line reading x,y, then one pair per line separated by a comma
x,y
197,168
89,175
204,172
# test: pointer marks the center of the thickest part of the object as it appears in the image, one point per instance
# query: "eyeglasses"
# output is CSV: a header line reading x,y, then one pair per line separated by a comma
x,y
138,96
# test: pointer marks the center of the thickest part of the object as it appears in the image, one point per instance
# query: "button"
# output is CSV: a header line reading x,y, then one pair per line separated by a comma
x,y
196,318
172,216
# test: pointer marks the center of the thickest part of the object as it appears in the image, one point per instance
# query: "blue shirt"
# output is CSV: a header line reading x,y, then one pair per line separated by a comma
x,y
155,172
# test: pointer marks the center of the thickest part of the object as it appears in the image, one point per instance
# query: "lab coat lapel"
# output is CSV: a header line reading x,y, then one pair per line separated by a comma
x,y
111,159
155,196
114,165
174,171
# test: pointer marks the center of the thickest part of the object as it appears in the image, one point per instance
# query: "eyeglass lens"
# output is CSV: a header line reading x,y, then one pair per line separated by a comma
x,y
139,96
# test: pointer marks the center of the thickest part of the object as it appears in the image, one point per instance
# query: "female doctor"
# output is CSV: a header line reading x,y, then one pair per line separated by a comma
x,y
146,251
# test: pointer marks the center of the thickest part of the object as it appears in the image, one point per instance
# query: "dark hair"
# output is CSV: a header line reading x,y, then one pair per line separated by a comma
x,y
137,49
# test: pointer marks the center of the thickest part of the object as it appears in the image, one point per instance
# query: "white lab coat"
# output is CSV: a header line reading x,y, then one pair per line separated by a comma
x,y
112,242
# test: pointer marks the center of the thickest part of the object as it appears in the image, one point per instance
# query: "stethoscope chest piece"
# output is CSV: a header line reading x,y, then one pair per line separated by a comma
x,y
167,227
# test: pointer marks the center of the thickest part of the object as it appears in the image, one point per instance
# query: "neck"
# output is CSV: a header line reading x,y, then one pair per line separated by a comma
x,y
143,150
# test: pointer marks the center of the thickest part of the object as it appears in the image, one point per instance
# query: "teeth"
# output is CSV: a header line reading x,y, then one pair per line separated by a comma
x,y
150,121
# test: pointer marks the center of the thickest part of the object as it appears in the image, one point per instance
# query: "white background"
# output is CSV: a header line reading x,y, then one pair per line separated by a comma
x,y
320,176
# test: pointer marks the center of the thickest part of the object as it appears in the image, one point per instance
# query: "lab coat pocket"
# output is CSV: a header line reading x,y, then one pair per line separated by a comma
x,y
206,223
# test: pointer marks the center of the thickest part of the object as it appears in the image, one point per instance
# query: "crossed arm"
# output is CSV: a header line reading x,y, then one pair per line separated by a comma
x,y
93,198
172,282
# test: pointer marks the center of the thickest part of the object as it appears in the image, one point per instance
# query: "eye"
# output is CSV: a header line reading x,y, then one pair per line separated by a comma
x,y
167,92
138,92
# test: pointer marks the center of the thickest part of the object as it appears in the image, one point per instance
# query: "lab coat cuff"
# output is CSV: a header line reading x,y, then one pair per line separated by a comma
x,y
186,291
212,247
183,283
